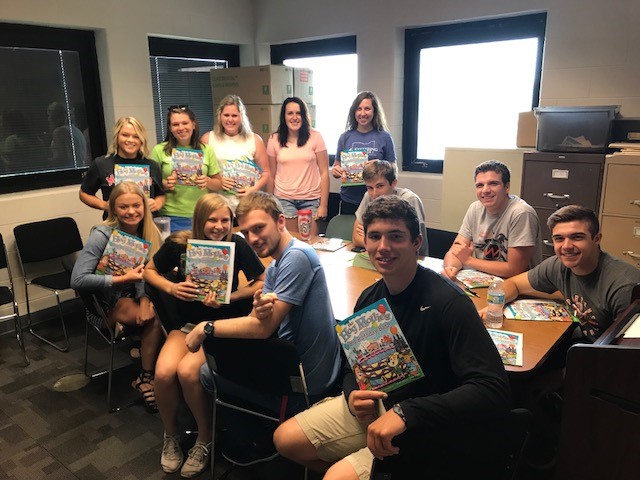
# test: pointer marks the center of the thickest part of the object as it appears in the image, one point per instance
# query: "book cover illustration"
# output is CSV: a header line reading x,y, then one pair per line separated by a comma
x,y
138,174
474,279
509,345
329,244
209,265
244,172
362,260
122,253
537,309
352,162
187,163
377,350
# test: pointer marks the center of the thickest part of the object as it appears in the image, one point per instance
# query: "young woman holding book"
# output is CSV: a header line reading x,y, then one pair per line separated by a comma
x,y
234,143
298,165
177,369
128,146
366,130
123,297
183,133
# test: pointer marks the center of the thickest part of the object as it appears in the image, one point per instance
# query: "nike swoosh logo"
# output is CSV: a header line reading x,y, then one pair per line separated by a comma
x,y
423,308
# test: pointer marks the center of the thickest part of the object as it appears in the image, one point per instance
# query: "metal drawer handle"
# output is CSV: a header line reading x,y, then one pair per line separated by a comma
x,y
635,202
548,243
635,256
556,197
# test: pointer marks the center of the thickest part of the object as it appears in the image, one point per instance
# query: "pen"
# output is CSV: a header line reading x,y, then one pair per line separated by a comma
x,y
471,292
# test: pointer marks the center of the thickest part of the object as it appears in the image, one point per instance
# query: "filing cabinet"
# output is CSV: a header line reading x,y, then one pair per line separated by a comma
x,y
620,216
553,180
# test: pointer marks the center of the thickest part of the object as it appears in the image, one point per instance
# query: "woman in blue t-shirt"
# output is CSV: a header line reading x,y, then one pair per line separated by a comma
x,y
366,131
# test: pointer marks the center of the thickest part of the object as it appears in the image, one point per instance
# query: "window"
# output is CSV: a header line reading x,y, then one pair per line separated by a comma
x,y
49,130
335,80
180,76
465,85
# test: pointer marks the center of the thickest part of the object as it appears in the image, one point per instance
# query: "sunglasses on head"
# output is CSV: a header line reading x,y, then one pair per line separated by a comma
x,y
178,107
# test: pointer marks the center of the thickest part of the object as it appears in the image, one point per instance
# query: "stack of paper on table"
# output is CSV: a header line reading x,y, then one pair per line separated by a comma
x,y
537,309
474,279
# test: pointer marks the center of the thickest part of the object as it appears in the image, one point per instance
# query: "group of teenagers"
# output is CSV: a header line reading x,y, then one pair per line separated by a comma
x,y
465,387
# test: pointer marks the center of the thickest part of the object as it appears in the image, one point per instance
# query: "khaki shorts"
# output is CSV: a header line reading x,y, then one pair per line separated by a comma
x,y
337,434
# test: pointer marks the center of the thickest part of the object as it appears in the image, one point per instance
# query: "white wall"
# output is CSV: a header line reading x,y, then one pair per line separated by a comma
x,y
121,29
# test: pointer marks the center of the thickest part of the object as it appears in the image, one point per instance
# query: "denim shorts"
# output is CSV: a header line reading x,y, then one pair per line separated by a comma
x,y
180,223
291,207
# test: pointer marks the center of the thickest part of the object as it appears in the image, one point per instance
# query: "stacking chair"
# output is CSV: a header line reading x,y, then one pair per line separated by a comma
x,y
440,241
43,241
340,226
96,321
7,297
265,366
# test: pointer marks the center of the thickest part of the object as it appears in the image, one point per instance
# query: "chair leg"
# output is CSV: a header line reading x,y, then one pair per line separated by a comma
x,y
214,411
110,408
40,337
19,336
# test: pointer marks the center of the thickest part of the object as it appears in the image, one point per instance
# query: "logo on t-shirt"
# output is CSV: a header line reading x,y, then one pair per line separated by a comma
x,y
494,248
580,309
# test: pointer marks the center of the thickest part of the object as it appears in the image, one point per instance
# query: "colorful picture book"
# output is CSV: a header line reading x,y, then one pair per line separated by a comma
x,y
377,350
362,260
209,265
329,244
244,172
474,279
509,345
352,162
537,309
122,253
187,163
138,174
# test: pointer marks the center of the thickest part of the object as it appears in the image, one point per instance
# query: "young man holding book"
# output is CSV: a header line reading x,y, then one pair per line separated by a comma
x,y
380,179
500,233
596,286
433,419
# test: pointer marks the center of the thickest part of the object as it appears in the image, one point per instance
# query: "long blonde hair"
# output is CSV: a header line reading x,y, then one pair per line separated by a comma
x,y
149,231
204,207
137,126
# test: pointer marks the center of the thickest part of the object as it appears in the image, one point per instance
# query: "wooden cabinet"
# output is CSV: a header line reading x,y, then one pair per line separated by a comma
x,y
553,180
620,216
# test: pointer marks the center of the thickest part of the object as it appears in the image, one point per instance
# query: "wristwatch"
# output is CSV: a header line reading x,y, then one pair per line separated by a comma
x,y
209,328
397,409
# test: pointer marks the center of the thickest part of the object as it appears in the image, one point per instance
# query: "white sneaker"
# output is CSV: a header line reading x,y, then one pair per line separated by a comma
x,y
172,457
197,461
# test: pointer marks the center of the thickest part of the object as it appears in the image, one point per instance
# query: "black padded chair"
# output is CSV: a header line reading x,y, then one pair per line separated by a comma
x,y
7,297
96,322
340,226
440,241
489,450
262,366
49,240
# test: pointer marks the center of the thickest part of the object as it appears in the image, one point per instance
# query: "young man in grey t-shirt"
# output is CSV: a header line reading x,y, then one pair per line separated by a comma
x,y
595,285
500,233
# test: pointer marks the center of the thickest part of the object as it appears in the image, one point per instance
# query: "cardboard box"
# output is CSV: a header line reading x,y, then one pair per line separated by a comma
x,y
266,118
266,84
303,84
527,130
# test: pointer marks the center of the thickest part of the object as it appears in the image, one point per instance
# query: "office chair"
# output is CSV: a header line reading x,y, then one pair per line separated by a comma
x,y
340,226
96,321
7,296
489,450
37,242
266,366
440,241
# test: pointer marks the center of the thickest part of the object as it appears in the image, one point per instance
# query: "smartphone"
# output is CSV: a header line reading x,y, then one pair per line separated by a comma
x,y
187,327
358,249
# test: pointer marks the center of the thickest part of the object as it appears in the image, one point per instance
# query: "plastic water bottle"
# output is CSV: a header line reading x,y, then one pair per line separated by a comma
x,y
495,304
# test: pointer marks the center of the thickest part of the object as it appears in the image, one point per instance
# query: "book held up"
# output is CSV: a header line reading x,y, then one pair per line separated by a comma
x,y
377,351
188,165
123,252
138,174
352,162
243,171
209,265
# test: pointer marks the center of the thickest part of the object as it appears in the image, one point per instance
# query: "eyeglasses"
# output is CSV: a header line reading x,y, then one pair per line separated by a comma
x,y
178,107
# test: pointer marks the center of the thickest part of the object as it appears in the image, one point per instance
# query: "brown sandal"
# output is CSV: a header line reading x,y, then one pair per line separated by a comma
x,y
148,394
